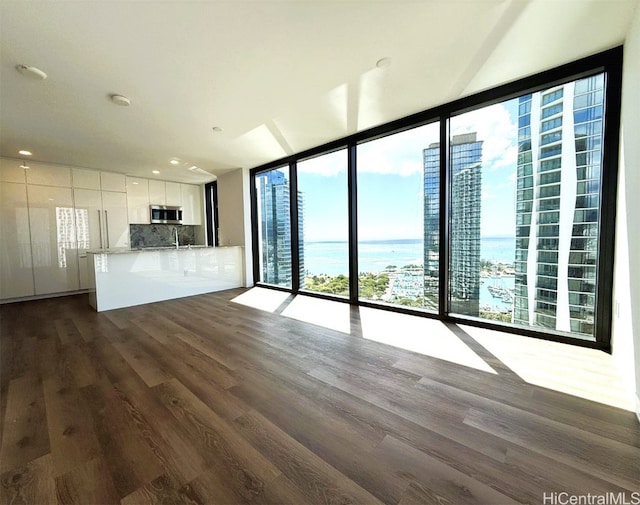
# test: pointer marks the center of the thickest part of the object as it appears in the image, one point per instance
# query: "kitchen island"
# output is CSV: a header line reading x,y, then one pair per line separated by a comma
x,y
123,278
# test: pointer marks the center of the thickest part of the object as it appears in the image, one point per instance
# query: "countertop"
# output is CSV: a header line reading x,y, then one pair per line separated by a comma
x,y
160,248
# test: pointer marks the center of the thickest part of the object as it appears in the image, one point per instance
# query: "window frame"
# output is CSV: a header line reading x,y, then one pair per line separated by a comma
x,y
609,62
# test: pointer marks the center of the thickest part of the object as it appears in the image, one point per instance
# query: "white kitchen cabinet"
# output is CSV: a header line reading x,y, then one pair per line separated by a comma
x,y
157,192
110,181
48,175
16,269
138,200
53,239
191,204
101,223
85,179
173,194
11,171
89,229
116,223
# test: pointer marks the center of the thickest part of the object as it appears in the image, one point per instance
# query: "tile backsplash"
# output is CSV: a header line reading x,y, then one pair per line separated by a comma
x,y
160,235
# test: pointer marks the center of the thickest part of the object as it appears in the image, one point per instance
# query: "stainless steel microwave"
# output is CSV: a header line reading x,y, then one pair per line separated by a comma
x,y
165,214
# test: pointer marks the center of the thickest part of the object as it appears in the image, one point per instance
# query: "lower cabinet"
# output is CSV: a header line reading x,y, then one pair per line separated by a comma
x,y
16,269
53,239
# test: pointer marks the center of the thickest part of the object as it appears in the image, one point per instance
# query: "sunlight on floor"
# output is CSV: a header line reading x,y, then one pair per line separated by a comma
x,y
326,313
577,371
262,299
419,334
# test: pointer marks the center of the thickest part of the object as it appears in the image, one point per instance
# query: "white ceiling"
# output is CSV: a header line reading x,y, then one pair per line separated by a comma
x,y
278,76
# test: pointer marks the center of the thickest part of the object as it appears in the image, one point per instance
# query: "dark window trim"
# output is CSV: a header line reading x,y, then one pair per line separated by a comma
x,y
609,61
211,209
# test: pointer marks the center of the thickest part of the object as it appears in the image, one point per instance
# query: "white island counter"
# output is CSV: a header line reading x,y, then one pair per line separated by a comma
x,y
133,277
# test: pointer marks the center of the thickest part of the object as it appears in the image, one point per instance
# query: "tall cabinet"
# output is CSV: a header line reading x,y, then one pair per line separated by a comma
x,y
16,269
101,216
53,239
52,229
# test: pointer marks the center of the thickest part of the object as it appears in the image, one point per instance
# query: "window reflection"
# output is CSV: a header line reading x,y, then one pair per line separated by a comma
x,y
65,233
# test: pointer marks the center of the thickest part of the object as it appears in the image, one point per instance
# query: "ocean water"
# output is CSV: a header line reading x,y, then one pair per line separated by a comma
x,y
332,258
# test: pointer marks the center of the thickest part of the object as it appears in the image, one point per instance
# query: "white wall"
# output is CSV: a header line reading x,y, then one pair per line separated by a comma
x,y
626,309
234,215
230,209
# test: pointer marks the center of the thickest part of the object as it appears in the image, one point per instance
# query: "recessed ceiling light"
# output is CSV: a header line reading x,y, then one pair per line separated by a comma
x,y
25,152
217,129
135,183
155,172
120,100
193,167
33,72
383,62
24,166
174,162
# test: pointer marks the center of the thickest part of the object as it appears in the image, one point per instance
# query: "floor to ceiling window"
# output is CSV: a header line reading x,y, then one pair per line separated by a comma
x,y
525,185
398,218
323,220
274,227
518,235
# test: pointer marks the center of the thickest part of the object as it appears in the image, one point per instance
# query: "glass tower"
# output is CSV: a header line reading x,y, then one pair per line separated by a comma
x,y
557,200
275,228
431,157
466,190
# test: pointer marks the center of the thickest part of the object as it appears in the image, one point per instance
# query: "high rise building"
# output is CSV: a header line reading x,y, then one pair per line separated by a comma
x,y
557,202
466,186
431,158
275,228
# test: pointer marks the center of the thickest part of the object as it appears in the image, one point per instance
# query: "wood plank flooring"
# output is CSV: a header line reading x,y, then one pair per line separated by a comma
x,y
206,401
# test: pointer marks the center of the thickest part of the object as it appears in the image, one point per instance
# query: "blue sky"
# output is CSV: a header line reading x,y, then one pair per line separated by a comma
x,y
390,180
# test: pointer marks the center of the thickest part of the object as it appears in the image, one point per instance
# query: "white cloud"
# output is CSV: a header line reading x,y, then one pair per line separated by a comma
x,y
399,154
402,154
494,126
328,165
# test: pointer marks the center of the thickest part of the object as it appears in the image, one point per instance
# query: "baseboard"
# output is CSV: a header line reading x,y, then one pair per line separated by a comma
x,y
42,297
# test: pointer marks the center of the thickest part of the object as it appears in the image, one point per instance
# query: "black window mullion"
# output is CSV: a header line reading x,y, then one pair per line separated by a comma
x,y
608,192
443,260
295,243
353,223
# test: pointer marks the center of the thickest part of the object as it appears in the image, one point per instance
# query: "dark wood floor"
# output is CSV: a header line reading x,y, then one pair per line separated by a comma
x,y
203,400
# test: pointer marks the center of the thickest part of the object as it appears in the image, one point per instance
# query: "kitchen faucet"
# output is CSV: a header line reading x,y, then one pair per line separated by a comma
x,y
177,242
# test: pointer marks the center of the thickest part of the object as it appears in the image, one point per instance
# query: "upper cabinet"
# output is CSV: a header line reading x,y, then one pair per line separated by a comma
x,y
110,181
49,175
191,204
12,171
138,191
157,192
85,179
173,194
